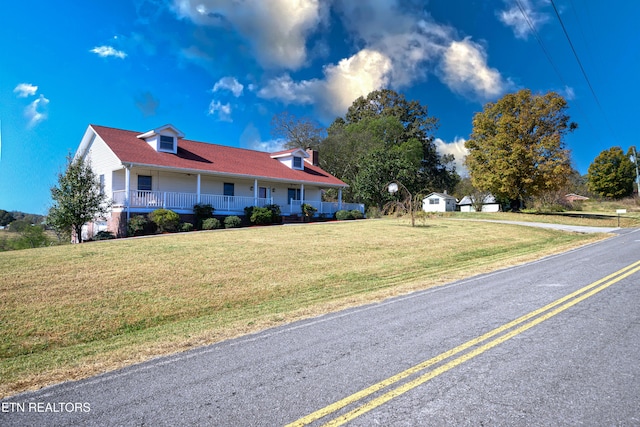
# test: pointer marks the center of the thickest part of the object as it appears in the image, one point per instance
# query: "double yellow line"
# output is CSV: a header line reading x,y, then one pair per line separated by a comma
x,y
501,334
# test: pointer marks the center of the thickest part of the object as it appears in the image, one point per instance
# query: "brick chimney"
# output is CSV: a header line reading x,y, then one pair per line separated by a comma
x,y
313,157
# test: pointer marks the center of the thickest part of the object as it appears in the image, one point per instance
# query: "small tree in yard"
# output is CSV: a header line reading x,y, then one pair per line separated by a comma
x,y
77,199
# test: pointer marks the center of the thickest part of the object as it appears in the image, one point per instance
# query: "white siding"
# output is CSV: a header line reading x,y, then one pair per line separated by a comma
x,y
490,207
435,203
103,162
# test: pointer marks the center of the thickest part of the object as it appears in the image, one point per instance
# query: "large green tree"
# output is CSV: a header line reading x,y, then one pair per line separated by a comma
x,y
611,174
77,199
516,149
384,137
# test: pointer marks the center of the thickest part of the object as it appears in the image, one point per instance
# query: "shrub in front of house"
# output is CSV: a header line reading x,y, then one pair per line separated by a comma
x,y
211,224
140,225
356,214
186,226
374,212
202,211
276,213
232,222
104,235
261,216
248,211
308,211
343,215
165,219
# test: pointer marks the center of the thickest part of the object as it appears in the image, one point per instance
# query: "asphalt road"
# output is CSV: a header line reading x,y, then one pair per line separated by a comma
x,y
552,343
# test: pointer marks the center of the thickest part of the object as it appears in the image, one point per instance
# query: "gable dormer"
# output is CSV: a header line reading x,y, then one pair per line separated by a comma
x,y
293,159
163,139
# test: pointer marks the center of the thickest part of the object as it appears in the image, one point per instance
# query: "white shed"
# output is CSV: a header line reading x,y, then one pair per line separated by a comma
x,y
489,204
438,202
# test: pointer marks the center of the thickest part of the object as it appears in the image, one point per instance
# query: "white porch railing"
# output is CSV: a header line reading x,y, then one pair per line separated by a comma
x,y
173,200
226,204
323,208
233,203
155,199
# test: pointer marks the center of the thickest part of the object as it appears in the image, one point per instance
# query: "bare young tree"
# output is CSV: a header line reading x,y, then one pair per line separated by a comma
x,y
299,132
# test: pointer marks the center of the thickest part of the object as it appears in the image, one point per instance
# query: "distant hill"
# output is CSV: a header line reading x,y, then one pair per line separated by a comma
x,y
6,217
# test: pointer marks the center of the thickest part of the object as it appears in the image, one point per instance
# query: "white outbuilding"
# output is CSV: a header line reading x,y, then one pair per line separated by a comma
x,y
489,204
439,202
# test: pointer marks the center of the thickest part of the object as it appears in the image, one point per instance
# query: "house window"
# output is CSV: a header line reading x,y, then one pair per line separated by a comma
x,y
293,193
166,143
102,184
297,162
144,183
434,201
262,192
228,189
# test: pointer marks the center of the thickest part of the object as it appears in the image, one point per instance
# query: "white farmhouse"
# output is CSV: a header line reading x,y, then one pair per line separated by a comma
x,y
144,171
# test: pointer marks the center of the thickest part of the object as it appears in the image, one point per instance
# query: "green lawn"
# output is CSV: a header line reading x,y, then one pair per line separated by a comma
x,y
72,311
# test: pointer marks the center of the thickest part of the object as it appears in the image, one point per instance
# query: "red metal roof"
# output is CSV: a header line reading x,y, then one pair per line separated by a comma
x,y
213,158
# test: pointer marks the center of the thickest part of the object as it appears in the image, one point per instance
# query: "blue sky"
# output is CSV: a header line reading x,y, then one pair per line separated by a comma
x,y
219,70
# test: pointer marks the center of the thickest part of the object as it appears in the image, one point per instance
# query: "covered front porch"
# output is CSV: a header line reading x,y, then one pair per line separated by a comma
x,y
181,202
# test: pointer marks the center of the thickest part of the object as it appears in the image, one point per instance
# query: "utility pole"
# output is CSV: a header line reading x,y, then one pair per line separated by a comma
x,y
635,160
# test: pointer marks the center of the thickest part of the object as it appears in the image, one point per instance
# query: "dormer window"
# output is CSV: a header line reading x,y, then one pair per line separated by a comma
x,y
293,159
163,139
166,143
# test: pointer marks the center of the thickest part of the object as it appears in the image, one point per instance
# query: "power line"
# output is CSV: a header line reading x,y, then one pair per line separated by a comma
x,y
584,73
535,33
553,65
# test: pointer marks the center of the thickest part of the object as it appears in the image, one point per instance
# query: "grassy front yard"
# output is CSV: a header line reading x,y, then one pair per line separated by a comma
x,y
69,312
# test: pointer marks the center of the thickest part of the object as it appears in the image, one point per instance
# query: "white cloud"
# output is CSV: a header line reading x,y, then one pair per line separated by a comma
x,y
515,18
458,150
366,71
106,51
568,93
284,89
222,111
276,29
230,84
416,44
464,69
36,111
352,77
409,38
401,47
195,55
250,138
25,89
398,44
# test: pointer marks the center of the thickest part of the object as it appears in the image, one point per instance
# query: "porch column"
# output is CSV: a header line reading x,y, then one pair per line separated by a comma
x,y
255,192
198,189
127,188
301,193
340,198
